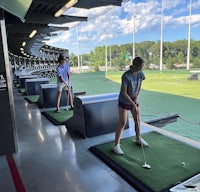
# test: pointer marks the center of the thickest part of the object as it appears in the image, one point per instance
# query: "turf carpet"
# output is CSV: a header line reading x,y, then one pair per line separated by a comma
x,y
32,98
22,91
58,118
164,154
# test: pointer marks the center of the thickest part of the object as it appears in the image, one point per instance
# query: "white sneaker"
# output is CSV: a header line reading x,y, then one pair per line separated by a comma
x,y
117,150
141,141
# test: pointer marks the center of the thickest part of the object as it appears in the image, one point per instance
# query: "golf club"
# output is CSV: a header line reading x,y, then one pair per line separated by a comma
x,y
146,166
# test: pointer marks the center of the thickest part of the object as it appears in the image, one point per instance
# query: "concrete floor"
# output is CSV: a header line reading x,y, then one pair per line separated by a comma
x,y
52,159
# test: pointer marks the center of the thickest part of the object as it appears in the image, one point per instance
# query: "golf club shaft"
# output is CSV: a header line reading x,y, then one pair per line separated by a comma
x,y
138,121
143,152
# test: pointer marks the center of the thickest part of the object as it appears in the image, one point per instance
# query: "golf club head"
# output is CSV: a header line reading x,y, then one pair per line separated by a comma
x,y
146,166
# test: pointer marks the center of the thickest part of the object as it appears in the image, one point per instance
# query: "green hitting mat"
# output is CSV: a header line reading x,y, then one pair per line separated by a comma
x,y
17,85
22,91
32,98
58,118
171,161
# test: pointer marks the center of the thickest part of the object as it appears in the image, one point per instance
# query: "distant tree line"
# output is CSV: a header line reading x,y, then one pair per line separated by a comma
x,y
118,56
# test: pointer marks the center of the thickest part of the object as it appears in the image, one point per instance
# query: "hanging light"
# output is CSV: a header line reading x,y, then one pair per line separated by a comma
x,y
33,33
65,7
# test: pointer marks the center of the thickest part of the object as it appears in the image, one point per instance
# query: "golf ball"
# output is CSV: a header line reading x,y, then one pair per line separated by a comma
x,y
183,164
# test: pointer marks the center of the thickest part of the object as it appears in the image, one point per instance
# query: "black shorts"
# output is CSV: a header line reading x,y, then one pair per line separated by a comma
x,y
126,106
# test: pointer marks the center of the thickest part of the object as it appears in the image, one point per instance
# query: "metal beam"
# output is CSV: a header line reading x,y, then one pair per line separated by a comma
x,y
46,19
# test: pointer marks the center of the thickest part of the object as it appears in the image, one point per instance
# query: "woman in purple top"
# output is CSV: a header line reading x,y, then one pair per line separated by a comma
x,y
128,100
63,77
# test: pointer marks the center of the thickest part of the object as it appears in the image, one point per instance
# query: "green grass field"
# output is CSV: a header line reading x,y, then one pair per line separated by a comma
x,y
171,81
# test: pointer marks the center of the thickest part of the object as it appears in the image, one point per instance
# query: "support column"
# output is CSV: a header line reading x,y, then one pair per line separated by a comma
x,y
8,134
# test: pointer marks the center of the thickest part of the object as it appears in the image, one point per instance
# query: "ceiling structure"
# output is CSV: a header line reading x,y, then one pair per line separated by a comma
x,y
40,16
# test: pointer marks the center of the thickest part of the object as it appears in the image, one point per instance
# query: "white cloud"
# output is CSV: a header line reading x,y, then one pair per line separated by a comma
x,y
195,20
87,28
168,4
119,21
63,37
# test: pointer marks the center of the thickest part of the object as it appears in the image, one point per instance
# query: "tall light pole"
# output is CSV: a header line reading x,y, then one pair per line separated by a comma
x,y
133,35
189,36
81,60
106,53
78,48
110,55
161,37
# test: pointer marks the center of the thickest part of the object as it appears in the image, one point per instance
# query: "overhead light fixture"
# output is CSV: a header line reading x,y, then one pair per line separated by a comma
x,y
23,44
68,5
33,33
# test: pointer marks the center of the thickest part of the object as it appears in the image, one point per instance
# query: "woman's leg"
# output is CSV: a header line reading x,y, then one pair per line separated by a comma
x,y
70,98
135,111
58,100
122,122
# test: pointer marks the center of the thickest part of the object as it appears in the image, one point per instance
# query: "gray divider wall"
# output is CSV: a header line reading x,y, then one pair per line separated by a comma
x,y
23,78
47,96
95,115
32,86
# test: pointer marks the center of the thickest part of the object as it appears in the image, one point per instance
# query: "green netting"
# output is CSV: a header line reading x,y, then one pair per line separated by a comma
x,y
153,104
93,83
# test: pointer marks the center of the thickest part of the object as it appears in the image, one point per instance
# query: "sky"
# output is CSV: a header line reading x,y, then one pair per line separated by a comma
x,y
134,21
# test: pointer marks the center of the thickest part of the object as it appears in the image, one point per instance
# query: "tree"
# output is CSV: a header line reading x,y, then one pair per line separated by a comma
x,y
196,62
73,60
180,57
173,52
